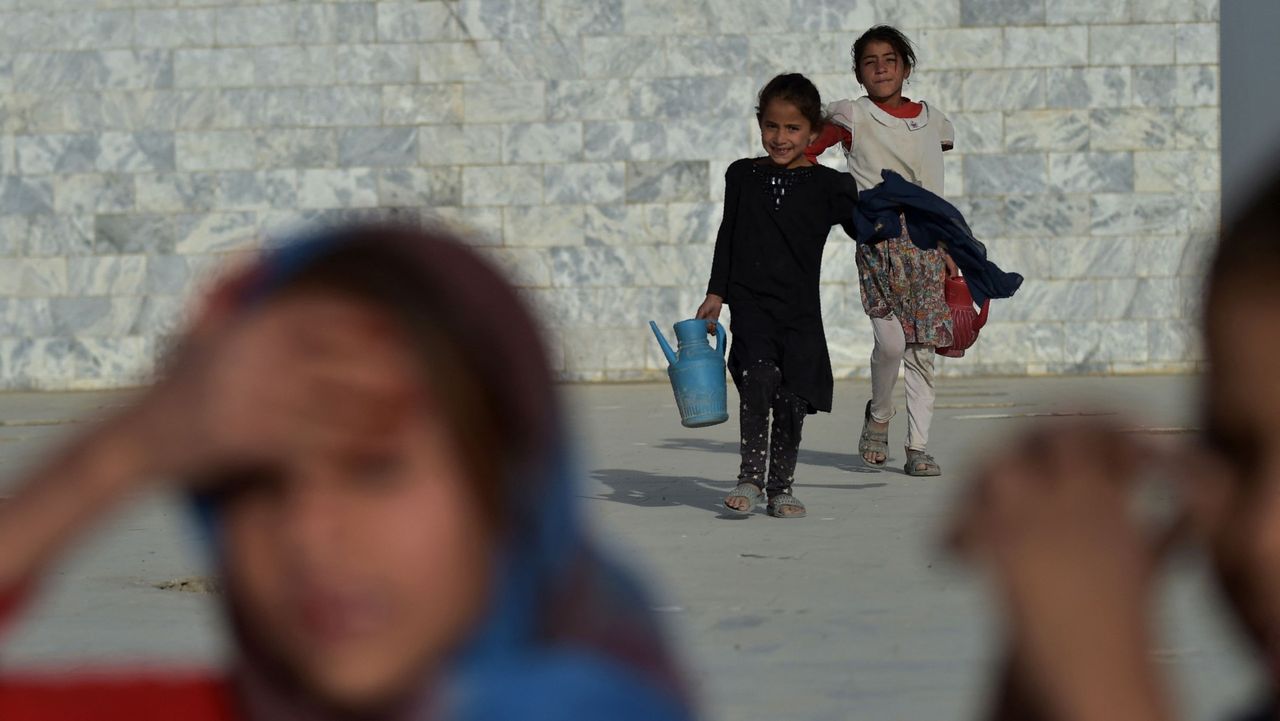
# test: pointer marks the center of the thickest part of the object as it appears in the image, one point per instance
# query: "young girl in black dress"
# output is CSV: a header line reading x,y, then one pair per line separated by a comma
x,y
778,211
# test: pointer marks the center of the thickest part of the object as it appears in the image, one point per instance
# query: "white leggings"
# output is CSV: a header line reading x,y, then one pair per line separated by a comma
x,y
890,352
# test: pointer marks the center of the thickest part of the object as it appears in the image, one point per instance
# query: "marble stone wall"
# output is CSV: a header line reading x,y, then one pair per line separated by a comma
x,y
582,145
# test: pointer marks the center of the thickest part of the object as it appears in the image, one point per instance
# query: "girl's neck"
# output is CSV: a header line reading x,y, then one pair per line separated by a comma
x,y
893,101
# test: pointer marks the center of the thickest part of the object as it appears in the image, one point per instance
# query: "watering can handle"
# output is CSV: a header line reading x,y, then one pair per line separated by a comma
x,y
721,340
983,314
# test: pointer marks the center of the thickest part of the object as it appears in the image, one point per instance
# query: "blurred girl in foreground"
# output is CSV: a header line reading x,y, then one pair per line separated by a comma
x,y
367,424
1053,519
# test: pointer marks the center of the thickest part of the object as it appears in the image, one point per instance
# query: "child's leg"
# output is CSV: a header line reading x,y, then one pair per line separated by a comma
x,y
886,361
920,395
759,383
789,411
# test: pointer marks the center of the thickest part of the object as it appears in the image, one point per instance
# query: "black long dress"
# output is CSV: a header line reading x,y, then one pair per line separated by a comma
x,y
767,264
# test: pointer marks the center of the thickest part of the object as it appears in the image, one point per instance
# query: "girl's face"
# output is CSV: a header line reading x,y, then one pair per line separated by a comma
x,y
1237,503
361,573
882,71
785,132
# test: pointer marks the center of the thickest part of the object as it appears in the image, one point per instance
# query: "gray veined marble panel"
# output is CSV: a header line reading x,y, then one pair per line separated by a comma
x,y
542,143
1088,87
55,236
135,152
174,192
1060,130
1197,85
505,102
25,317
213,67
623,57
967,48
34,277
257,25
582,183
819,15
171,28
215,150
414,187
1053,215
93,70
296,148
257,190
917,13
401,22
1046,46
1197,128
107,275
459,144
343,23
40,154
88,194
345,188
711,55
422,104
1015,174
595,99
1197,43
375,64
1004,89
503,185
574,17
1138,214
1166,11
625,140
216,232
21,195
1186,171
551,56
1155,86
377,147
1070,12
666,182
543,225
667,98
295,65
620,224
1131,129
694,223
136,233
1131,44
1002,12
663,17
1091,172
483,19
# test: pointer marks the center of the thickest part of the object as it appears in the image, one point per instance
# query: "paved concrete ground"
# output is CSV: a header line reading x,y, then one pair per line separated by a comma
x,y
848,614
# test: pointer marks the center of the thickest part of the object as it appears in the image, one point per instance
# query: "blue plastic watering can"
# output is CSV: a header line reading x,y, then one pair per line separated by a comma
x,y
697,373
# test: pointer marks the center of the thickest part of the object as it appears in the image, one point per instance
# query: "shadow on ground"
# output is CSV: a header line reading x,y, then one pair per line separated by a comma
x,y
651,490
849,462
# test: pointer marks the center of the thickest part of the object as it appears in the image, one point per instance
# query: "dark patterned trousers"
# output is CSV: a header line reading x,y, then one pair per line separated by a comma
x,y
769,452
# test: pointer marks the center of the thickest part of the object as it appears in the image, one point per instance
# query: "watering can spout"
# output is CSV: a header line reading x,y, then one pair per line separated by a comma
x,y
662,341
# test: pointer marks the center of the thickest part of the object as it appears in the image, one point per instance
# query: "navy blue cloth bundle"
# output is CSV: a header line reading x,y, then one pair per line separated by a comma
x,y
930,221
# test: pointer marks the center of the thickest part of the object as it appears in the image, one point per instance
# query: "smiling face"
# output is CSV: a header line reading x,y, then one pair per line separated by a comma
x,y
882,70
359,574
785,132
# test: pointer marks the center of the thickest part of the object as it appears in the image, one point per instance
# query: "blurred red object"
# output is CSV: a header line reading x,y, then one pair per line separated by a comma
x,y
965,320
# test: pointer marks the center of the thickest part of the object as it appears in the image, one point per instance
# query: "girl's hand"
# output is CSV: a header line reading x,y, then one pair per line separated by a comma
x,y
1051,520
252,387
710,310
953,270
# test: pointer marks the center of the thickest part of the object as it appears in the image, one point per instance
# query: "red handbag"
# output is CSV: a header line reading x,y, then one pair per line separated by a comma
x,y
965,321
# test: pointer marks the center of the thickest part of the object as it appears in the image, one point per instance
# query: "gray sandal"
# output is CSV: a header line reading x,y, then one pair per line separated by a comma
x,y
872,441
750,491
920,463
786,500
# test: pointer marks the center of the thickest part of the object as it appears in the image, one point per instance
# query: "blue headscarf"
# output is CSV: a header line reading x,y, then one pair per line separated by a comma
x,y
567,635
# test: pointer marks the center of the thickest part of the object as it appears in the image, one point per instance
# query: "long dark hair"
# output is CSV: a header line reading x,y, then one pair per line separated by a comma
x,y
885,34
798,90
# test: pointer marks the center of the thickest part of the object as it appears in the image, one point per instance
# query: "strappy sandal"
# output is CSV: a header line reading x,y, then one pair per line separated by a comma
x,y
873,441
920,463
782,501
750,491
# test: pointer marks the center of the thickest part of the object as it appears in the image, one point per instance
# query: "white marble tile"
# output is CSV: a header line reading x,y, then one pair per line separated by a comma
x,y
1132,129
80,194
542,143
420,187
347,188
1091,172
34,277
544,225
1197,43
1050,130
502,185
460,144
171,27
1131,44
1176,171
1197,85
1003,89
505,102
623,224
1053,46
1088,87
1132,214
588,183
422,104
967,48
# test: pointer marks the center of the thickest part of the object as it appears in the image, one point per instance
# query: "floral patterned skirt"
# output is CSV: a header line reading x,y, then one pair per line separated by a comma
x,y
897,278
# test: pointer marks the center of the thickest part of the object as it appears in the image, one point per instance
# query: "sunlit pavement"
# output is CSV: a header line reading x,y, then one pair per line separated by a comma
x,y
851,613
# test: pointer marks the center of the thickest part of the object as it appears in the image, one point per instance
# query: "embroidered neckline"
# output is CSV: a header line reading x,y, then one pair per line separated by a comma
x,y
780,182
